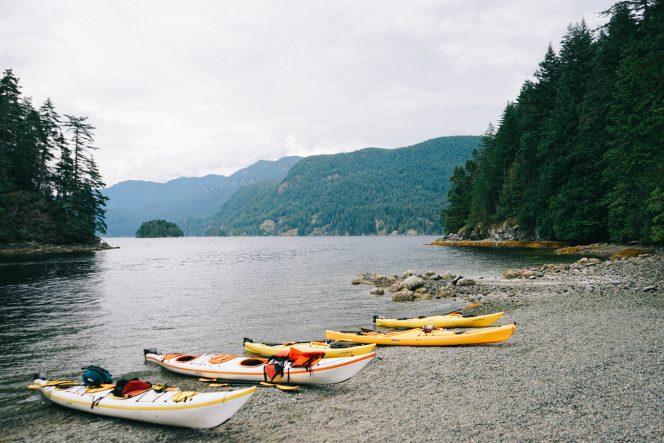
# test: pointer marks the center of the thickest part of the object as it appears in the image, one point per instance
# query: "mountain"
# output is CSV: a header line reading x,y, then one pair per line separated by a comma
x,y
370,191
188,201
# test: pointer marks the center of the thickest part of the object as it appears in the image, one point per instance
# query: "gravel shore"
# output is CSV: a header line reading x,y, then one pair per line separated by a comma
x,y
586,363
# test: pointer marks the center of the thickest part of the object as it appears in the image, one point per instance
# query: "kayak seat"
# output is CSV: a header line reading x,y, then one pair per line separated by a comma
x,y
251,362
185,358
222,358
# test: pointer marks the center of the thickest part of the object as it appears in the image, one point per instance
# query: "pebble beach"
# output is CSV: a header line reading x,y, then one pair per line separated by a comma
x,y
585,363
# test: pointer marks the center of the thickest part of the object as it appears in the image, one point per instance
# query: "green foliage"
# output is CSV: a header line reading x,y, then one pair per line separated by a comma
x,y
49,183
188,201
579,155
370,191
158,228
656,207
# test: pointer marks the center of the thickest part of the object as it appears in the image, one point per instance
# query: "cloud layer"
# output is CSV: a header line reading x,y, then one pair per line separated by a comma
x,y
192,88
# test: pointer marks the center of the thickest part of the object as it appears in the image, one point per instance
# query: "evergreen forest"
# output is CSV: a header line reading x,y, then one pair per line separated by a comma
x,y
50,186
367,192
579,155
158,228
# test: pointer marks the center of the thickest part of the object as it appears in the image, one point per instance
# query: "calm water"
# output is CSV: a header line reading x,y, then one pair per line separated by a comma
x,y
197,295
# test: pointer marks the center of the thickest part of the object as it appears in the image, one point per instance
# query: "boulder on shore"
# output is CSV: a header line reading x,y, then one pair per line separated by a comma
x,y
412,282
466,282
403,295
511,273
527,273
448,276
444,293
585,261
377,291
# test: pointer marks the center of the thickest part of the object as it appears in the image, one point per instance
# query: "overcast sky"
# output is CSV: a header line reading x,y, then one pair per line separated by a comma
x,y
189,88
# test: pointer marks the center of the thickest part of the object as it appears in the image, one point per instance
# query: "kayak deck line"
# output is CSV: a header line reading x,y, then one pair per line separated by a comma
x,y
292,372
226,398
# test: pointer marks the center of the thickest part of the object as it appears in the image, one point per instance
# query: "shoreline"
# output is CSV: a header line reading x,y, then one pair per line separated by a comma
x,y
608,250
545,244
33,248
580,366
584,364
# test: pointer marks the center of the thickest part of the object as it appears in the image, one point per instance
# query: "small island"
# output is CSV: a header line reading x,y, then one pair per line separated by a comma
x,y
158,228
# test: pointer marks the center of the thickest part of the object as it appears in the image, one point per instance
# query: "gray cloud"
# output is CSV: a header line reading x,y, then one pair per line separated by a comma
x,y
191,88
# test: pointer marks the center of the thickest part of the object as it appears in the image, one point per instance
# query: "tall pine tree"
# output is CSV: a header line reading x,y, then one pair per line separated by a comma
x,y
579,155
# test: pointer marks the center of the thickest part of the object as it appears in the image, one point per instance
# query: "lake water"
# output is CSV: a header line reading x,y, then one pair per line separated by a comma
x,y
60,313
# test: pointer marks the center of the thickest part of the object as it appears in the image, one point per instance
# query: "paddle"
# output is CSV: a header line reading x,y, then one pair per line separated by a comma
x,y
218,385
280,387
206,380
470,306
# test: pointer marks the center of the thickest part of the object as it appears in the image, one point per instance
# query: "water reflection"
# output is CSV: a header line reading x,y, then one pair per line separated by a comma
x,y
49,313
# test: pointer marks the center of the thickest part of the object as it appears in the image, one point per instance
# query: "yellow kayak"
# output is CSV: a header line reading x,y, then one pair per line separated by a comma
x,y
442,321
421,337
332,350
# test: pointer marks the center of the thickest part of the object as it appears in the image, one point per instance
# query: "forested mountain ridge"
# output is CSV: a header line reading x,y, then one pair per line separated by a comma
x,y
579,156
370,191
190,201
50,187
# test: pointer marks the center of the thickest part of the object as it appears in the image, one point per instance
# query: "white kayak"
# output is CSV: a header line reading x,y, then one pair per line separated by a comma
x,y
234,367
169,407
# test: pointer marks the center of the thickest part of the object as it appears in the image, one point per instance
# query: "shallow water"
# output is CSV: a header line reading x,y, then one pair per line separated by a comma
x,y
58,314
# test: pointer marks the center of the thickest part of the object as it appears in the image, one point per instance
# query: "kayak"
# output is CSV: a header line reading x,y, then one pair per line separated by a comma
x,y
165,407
442,321
331,350
253,369
436,337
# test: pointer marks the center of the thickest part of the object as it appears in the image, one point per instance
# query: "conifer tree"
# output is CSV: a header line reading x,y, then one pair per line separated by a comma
x,y
579,155
635,158
50,187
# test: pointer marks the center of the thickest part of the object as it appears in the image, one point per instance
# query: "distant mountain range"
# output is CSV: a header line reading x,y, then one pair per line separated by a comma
x,y
369,191
187,201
